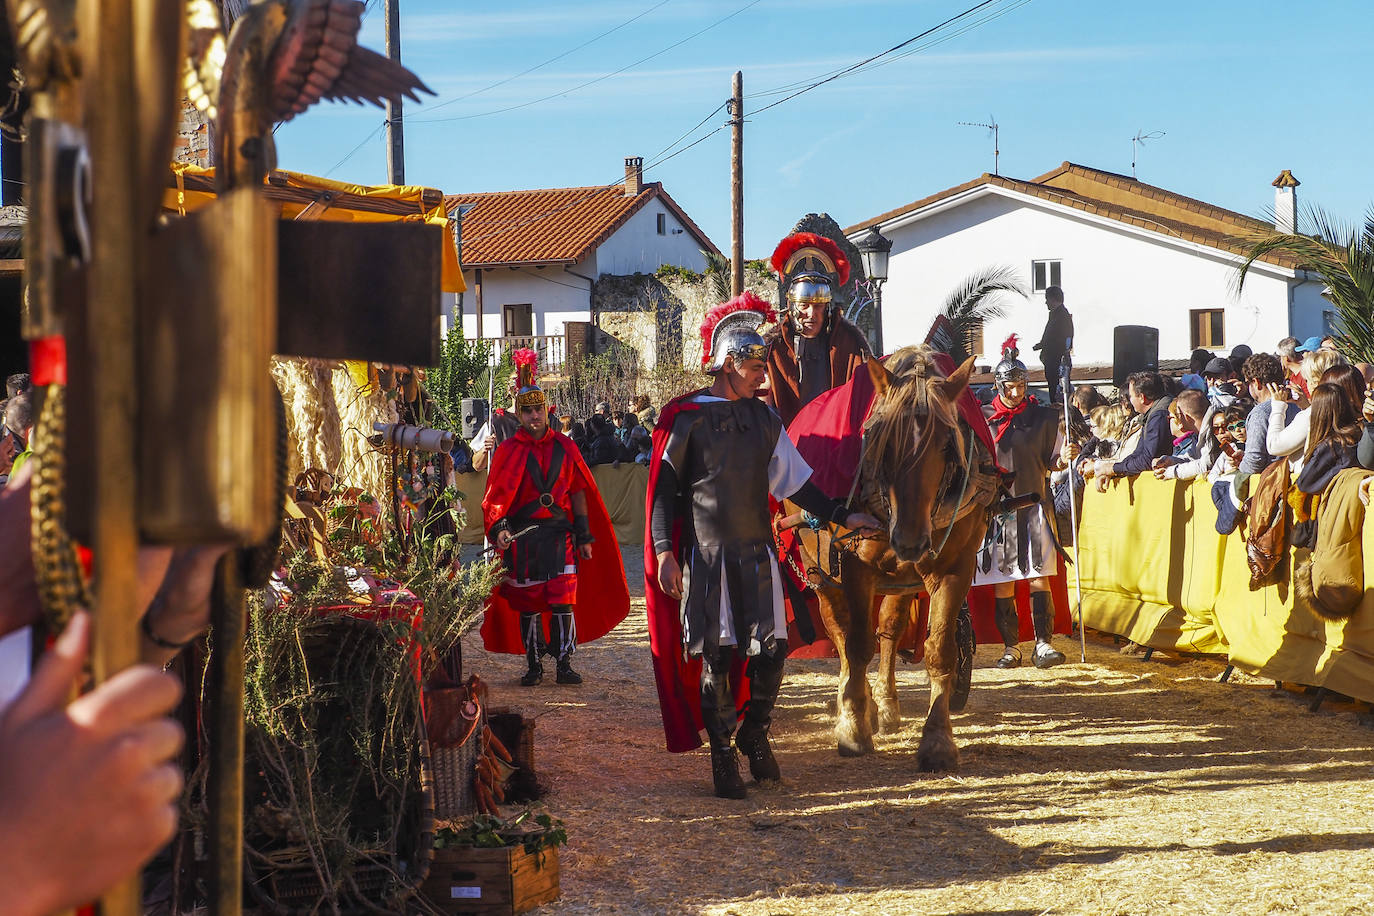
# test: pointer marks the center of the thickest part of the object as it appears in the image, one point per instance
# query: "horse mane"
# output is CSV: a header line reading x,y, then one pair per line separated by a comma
x,y
914,394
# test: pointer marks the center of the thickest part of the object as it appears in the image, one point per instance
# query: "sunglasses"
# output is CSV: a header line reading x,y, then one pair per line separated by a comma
x,y
1238,427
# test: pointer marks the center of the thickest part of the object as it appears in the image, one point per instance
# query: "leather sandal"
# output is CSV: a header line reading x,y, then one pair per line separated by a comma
x,y
1010,658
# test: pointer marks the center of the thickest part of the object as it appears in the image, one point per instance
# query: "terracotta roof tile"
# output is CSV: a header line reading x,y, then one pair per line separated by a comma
x,y
1121,198
553,226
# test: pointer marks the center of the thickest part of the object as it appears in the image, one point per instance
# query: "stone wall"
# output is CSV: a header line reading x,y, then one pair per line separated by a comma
x,y
193,137
659,315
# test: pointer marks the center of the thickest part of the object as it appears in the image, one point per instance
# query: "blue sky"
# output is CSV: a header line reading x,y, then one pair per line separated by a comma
x,y
1240,89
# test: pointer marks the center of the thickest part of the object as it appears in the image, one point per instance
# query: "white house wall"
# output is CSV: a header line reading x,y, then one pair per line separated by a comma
x,y
1111,276
557,297
637,248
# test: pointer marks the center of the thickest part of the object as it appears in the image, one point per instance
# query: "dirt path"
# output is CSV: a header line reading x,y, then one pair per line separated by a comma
x,y
1115,786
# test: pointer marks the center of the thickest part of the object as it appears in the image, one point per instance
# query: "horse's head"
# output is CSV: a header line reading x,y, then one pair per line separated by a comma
x,y
912,441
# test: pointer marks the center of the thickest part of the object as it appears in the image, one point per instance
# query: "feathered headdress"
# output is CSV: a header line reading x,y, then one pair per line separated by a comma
x,y
527,390
807,251
1009,350
746,311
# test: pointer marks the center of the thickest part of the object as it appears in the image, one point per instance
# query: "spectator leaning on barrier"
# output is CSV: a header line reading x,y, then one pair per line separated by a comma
x,y
1331,448
1289,439
1262,372
1146,391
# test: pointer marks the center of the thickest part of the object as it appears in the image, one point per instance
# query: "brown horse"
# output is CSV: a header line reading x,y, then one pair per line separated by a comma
x,y
928,477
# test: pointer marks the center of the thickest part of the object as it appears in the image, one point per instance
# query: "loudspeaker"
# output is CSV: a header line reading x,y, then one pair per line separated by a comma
x,y
1135,348
475,413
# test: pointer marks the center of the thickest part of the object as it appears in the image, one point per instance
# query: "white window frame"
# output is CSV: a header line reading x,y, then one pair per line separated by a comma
x,y
1052,266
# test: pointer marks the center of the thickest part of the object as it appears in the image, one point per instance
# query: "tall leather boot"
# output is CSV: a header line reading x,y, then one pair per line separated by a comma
x,y
1042,614
563,643
1009,626
718,715
532,634
765,678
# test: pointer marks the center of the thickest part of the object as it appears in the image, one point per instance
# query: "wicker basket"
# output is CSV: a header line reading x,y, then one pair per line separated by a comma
x,y
455,743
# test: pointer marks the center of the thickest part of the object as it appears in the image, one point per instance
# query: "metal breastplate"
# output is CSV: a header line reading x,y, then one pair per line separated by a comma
x,y
721,452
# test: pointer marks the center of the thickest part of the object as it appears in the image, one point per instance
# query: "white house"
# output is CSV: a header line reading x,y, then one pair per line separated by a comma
x,y
1124,252
530,258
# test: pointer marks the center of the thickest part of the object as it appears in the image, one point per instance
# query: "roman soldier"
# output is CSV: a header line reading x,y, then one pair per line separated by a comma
x,y
543,512
814,348
713,589
1022,544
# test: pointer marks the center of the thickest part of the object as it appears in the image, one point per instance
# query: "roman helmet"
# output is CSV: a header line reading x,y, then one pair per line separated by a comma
x,y
1010,369
732,329
527,391
810,268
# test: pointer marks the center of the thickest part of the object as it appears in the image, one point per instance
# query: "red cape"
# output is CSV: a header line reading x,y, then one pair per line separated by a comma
x,y
603,598
677,677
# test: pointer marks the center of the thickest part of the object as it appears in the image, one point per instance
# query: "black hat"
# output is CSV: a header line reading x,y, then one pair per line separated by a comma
x,y
1218,367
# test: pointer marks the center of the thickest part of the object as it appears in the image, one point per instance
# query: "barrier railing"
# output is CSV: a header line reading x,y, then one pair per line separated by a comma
x,y
1156,571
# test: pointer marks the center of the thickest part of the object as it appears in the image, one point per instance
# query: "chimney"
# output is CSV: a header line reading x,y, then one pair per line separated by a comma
x,y
634,175
1286,203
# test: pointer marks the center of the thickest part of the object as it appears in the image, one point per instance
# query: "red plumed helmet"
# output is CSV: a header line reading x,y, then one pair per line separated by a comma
x,y
812,251
527,390
1010,345
745,312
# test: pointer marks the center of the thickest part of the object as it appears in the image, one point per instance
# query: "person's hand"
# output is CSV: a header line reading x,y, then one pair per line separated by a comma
x,y
669,575
504,539
586,551
863,523
180,609
101,768
1367,409
489,444
1364,490
1106,467
1070,452
1279,392
1163,471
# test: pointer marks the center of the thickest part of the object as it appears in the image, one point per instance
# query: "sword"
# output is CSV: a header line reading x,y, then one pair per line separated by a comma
x,y
1073,515
493,549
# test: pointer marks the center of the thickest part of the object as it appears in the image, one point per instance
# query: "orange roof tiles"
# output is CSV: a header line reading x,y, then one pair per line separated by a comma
x,y
1120,198
553,226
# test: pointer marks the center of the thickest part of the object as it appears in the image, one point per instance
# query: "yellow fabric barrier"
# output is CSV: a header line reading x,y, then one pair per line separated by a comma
x,y
622,490
180,199
1155,571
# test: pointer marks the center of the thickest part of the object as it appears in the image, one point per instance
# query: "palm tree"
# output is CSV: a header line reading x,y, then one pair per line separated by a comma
x,y
717,274
1343,256
973,302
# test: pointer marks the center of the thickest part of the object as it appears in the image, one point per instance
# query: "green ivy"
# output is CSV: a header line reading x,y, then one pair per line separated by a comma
x,y
484,831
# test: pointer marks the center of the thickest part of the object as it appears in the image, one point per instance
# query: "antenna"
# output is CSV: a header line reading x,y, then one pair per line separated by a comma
x,y
993,133
1139,140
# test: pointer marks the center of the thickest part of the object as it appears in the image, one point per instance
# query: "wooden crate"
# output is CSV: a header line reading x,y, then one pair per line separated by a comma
x,y
466,881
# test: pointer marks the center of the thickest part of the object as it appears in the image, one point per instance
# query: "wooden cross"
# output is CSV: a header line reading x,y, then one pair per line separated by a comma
x,y
169,327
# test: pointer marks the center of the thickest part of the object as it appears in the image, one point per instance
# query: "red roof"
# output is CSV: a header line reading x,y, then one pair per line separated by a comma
x,y
553,226
1121,198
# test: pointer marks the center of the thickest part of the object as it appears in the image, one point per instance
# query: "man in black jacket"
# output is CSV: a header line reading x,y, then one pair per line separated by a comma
x,y
1055,342
1146,391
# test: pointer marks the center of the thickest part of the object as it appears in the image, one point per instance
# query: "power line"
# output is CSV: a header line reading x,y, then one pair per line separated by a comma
x,y
897,47
351,153
563,92
551,59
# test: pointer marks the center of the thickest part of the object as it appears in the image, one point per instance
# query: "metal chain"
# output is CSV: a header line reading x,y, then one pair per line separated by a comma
x,y
61,582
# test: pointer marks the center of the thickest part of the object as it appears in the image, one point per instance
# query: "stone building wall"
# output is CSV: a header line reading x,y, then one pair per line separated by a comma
x,y
193,137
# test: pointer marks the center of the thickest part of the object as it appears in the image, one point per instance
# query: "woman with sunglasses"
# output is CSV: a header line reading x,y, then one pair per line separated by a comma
x,y
1287,437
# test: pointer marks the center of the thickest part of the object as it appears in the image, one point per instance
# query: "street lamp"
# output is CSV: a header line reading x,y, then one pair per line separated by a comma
x,y
874,248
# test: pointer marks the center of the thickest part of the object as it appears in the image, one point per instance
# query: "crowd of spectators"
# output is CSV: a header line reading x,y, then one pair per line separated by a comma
x,y
1228,419
16,425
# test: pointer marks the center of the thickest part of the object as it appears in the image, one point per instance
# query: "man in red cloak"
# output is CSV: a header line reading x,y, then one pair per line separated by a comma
x,y
542,510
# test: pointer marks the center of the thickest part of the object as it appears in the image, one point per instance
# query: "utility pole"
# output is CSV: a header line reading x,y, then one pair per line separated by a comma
x,y
395,136
737,186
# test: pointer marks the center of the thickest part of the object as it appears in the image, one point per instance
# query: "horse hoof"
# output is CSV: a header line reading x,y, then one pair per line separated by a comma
x,y
889,721
939,756
848,749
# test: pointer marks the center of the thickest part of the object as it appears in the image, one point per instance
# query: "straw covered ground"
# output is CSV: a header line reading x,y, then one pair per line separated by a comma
x,y
1115,786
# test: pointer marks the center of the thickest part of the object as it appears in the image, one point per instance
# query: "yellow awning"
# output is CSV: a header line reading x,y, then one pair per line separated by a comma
x,y
309,197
